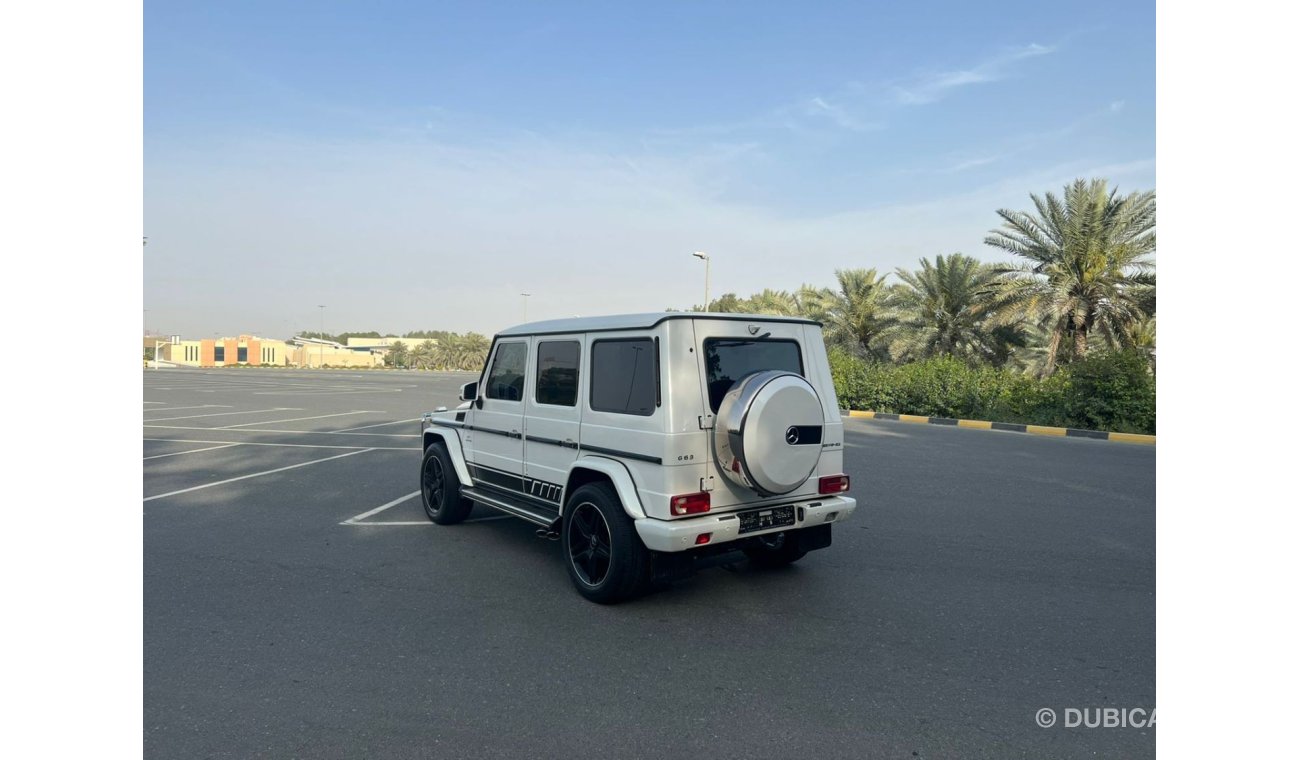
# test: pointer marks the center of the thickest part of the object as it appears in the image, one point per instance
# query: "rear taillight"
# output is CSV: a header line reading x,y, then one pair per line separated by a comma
x,y
833,484
690,503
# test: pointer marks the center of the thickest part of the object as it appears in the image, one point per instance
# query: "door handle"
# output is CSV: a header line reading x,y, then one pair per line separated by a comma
x,y
515,434
569,443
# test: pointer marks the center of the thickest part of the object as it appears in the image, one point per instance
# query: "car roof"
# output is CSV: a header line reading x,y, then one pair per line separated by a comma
x,y
635,322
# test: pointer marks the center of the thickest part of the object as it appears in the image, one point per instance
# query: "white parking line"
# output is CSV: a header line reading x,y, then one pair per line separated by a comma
x,y
224,414
357,519
287,445
299,419
352,520
191,451
254,475
200,406
281,432
324,393
382,424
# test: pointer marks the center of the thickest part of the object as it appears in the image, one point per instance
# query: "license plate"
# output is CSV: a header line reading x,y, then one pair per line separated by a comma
x,y
762,519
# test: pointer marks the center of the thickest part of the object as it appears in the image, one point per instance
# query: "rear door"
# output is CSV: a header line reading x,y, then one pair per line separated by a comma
x,y
729,349
495,437
554,415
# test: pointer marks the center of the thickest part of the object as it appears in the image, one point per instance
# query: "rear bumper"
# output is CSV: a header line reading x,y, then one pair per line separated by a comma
x,y
680,535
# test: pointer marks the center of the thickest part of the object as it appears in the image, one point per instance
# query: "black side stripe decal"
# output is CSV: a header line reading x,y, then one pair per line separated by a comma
x,y
518,485
626,454
557,442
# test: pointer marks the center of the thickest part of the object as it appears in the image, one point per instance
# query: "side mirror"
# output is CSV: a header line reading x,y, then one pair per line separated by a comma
x,y
469,391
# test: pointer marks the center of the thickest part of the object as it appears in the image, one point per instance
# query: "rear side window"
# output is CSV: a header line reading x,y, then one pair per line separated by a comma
x,y
729,359
506,380
557,372
625,376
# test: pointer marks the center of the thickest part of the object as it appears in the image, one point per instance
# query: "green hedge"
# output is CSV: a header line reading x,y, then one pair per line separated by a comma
x,y
1106,391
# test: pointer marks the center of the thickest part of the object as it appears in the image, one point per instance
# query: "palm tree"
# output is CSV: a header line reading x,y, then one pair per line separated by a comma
x,y
1088,262
777,302
1141,337
856,313
398,354
476,351
942,309
422,356
813,303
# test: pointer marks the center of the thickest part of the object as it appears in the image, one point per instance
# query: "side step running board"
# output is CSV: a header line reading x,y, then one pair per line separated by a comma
x,y
510,506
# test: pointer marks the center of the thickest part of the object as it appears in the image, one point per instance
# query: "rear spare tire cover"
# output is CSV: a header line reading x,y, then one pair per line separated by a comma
x,y
768,432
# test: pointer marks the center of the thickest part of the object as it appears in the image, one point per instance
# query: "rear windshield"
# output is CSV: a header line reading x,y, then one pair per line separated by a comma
x,y
729,359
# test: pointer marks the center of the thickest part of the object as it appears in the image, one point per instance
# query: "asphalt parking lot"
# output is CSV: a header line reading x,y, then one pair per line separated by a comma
x,y
298,604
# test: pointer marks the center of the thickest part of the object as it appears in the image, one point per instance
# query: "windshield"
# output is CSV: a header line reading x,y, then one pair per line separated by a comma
x,y
729,359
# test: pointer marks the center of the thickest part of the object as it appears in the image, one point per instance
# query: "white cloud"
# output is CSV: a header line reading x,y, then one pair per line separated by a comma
x,y
929,88
838,115
972,163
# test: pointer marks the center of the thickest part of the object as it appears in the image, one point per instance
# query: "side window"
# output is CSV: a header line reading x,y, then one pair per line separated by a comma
x,y
506,380
625,376
557,372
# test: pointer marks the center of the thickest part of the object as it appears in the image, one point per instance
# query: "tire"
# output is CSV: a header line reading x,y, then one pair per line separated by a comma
x,y
774,550
603,553
440,488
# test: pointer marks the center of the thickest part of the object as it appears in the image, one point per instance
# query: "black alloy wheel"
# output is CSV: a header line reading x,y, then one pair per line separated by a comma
x,y
440,488
590,550
607,561
434,485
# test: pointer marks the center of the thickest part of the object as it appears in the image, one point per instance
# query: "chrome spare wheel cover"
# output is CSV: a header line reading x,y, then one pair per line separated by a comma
x,y
768,432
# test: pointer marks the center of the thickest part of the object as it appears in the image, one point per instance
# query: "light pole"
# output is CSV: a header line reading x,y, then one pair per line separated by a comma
x,y
525,295
321,363
705,257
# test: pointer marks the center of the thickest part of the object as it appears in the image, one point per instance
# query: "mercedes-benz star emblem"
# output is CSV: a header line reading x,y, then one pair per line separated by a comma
x,y
792,435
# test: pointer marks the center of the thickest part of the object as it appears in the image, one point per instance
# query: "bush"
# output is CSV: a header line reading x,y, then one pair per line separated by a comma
x,y
1112,392
1103,392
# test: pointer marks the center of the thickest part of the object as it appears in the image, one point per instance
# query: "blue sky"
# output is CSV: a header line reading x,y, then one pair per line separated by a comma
x,y
418,165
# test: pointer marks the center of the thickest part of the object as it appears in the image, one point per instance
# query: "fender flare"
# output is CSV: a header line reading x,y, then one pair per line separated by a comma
x,y
618,475
451,439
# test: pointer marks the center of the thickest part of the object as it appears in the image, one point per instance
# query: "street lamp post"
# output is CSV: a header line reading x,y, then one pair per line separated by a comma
x,y
321,353
525,295
705,257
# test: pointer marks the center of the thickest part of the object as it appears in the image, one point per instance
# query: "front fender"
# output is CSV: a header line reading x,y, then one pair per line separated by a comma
x,y
451,438
618,475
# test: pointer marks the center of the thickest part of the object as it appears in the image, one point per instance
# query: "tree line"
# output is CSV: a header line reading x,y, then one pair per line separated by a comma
x,y
426,349
441,350
1081,279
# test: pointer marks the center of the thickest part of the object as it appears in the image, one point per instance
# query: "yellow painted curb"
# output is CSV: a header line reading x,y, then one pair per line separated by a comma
x,y
1058,432
1044,430
1133,438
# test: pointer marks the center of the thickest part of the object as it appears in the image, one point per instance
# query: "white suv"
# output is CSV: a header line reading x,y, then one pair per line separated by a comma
x,y
642,441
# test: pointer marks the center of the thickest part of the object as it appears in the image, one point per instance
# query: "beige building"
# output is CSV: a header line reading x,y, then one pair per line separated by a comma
x,y
253,351
221,352
313,352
